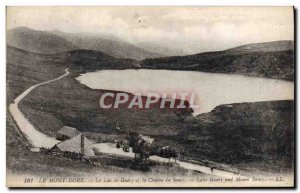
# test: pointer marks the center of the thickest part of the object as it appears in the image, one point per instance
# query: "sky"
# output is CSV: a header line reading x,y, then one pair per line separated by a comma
x,y
191,29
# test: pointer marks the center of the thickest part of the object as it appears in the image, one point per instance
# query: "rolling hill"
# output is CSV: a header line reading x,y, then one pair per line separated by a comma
x,y
37,41
25,68
50,42
271,59
275,46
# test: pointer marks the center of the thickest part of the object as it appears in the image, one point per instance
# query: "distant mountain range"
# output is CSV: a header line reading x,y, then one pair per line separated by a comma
x,y
96,51
114,47
37,41
166,51
49,42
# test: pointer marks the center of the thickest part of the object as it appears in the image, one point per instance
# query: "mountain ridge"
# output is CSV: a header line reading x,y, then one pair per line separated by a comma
x,y
269,61
37,41
114,46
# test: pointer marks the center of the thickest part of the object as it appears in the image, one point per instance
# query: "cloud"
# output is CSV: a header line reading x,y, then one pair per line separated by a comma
x,y
193,29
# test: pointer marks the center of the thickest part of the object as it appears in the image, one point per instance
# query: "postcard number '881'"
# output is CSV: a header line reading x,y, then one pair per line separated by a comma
x,y
28,180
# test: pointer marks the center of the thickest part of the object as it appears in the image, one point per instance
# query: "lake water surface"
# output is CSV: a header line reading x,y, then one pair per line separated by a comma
x,y
211,89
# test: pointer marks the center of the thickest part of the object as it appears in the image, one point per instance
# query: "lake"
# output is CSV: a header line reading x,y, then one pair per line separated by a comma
x,y
210,89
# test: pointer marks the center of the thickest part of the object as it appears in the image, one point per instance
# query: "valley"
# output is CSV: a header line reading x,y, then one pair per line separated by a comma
x,y
67,102
235,133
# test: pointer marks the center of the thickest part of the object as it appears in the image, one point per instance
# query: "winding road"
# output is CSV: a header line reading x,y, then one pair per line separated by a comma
x,y
34,137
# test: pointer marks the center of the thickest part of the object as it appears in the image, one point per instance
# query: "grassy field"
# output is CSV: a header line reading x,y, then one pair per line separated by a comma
x,y
241,134
273,64
25,69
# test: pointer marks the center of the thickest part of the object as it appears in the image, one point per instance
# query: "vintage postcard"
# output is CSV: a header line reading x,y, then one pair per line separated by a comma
x,y
150,96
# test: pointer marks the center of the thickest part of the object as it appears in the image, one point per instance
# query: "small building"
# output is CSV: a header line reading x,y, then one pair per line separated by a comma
x,y
67,132
77,146
147,139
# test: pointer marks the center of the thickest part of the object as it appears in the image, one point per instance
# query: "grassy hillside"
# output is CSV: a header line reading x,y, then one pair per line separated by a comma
x,y
260,133
275,46
91,60
37,41
24,69
274,59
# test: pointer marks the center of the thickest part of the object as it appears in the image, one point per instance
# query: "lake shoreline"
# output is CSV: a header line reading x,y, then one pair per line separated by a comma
x,y
238,88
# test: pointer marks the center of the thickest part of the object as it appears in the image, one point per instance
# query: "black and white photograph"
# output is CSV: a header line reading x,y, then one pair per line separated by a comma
x,y
150,96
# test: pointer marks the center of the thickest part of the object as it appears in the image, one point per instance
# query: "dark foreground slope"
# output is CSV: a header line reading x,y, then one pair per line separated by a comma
x,y
261,133
273,59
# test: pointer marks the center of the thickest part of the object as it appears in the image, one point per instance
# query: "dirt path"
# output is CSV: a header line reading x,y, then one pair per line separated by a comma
x,y
34,137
